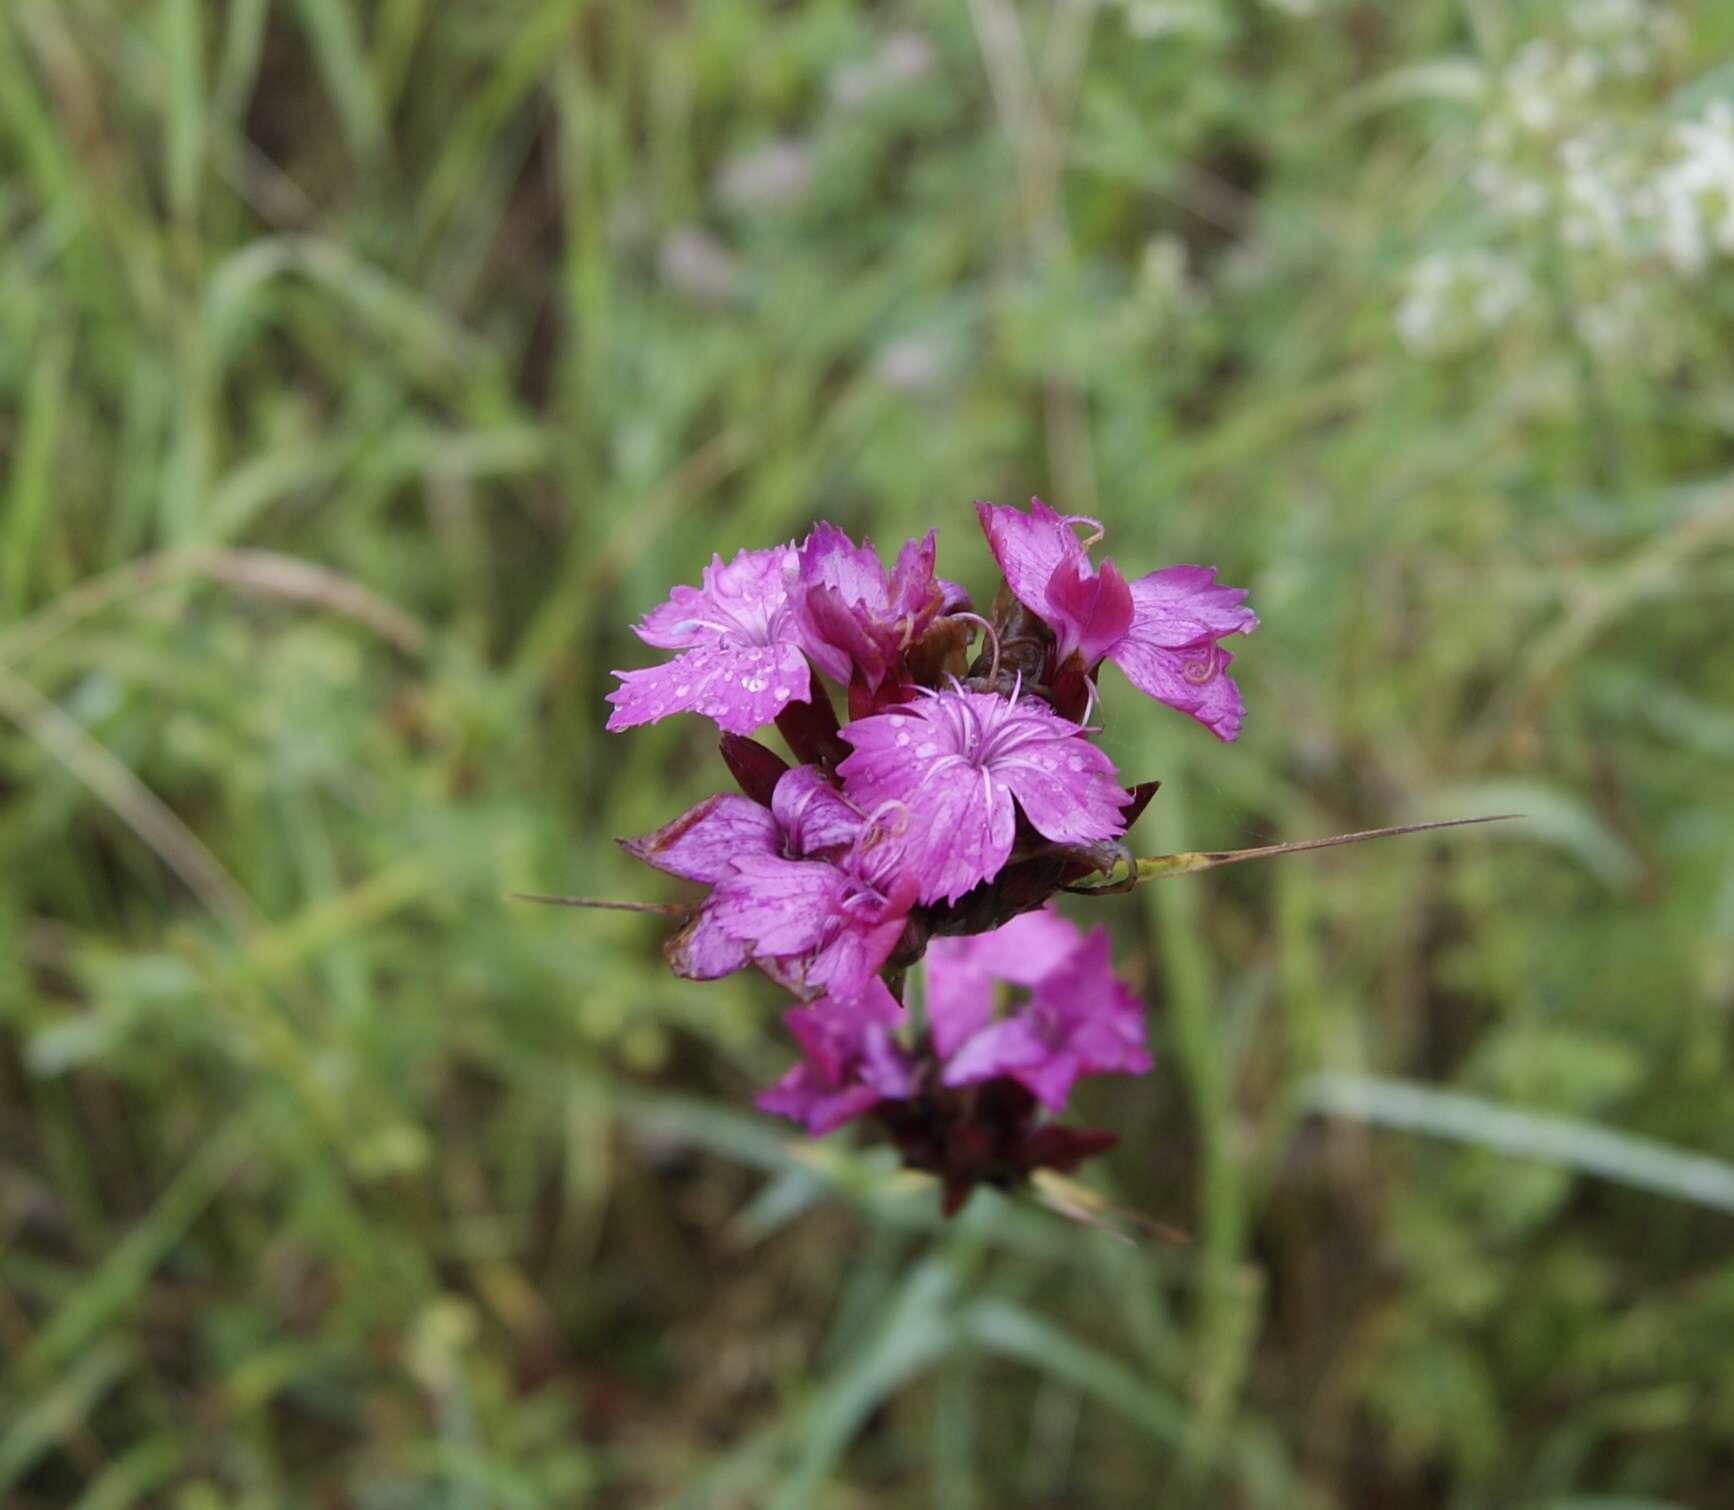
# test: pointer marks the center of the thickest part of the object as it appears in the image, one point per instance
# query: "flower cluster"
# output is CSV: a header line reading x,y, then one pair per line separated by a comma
x,y
1590,187
934,826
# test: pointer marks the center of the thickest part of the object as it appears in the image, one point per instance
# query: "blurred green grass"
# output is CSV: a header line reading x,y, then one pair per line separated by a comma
x,y
366,369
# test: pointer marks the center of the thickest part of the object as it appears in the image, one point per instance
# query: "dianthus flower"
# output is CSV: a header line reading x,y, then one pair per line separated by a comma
x,y
1164,630
856,621
741,660
963,1101
806,888
954,761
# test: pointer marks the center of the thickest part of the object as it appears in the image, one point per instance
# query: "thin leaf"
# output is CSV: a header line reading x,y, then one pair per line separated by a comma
x,y
1584,1146
1188,862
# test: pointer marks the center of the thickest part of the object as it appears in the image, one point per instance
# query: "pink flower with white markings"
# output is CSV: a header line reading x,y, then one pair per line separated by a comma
x,y
741,660
959,765
1163,629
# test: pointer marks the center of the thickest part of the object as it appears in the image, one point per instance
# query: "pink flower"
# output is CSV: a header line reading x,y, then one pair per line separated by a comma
x,y
1163,630
856,622
741,661
852,1061
952,764
1078,1018
808,890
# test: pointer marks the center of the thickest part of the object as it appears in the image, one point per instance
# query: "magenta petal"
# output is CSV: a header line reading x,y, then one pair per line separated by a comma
x,y
778,907
742,662
998,1049
752,591
945,769
1193,681
703,843
956,822
1028,547
962,975
805,1096
688,618
813,814
1084,1006
957,994
855,622
1066,786
848,962
1089,611
741,688
702,950
837,637
914,594
1181,605
1050,1079
1021,951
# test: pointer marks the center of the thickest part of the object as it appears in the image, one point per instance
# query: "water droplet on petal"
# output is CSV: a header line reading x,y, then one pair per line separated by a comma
x,y
783,694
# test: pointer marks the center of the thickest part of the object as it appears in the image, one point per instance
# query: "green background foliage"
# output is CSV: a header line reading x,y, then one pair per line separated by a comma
x,y
366,368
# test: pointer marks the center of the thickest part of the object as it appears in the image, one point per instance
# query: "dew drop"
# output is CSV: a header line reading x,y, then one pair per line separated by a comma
x,y
902,739
683,689
924,750
783,694
1075,762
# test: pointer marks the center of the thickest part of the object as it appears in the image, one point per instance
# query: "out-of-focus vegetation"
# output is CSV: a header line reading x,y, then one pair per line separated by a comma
x,y
365,368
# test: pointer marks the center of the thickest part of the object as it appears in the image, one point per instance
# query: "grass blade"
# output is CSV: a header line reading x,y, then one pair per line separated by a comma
x,y
1584,1146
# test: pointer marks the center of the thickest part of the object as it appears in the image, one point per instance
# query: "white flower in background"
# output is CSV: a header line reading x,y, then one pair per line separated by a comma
x,y
912,363
1452,296
1577,170
1694,193
1149,19
1600,208
1613,321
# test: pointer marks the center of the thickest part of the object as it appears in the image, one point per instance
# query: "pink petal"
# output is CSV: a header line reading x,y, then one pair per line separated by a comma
x,y
1028,547
1092,1012
805,1096
740,688
703,843
958,822
688,618
1181,605
1066,786
829,558
778,907
1022,951
998,1049
914,593
702,950
754,587
846,964
961,975
813,815
1050,1079
1089,611
834,634
1194,681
